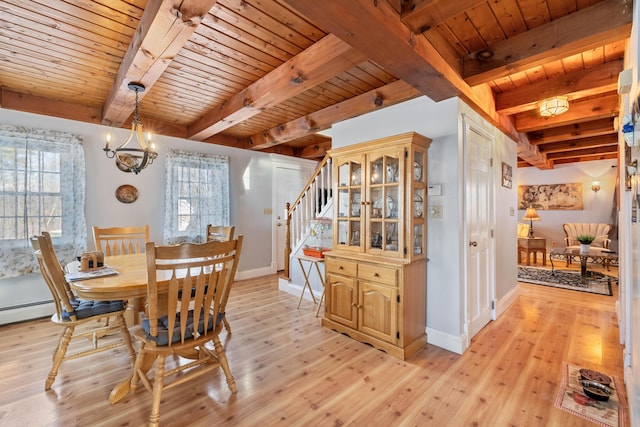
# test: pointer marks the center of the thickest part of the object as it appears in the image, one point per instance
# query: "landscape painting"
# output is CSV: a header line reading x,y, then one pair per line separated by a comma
x,y
550,196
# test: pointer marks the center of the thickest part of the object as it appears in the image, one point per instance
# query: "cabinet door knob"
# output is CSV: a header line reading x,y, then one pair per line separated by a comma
x,y
376,275
340,268
473,243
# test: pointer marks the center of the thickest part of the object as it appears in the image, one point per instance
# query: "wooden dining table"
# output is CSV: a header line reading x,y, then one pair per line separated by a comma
x,y
129,284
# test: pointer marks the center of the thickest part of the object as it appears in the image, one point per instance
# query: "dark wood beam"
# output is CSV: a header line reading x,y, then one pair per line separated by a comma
x,y
591,81
164,28
385,96
323,60
580,111
605,22
574,131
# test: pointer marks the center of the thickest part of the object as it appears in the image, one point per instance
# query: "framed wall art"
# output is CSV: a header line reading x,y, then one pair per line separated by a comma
x,y
507,175
551,196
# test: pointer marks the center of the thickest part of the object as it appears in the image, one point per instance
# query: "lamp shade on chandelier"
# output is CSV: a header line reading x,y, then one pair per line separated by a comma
x,y
133,158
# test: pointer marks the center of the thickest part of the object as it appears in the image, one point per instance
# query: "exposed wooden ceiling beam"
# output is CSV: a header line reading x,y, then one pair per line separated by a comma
x,y
579,84
605,22
580,111
579,144
48,107
375,30
323,60
587,152
573,131
609,156
163,30
409,57
316,151
385,96
421,15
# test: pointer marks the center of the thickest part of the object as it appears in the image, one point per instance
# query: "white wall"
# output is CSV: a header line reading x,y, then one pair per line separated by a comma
x,y
598,207
251,187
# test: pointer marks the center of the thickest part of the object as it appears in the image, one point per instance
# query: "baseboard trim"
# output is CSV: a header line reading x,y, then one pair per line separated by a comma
x,y
293,289
26,312
258,272
505,302
456,344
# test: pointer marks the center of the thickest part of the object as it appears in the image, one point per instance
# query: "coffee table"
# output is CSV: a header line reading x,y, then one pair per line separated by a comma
x,y
602,257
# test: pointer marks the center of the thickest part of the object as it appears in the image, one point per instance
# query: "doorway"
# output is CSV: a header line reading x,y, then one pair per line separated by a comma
x,y
480,288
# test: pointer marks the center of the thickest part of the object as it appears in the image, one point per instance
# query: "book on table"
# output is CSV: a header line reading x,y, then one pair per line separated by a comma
x,y
90,274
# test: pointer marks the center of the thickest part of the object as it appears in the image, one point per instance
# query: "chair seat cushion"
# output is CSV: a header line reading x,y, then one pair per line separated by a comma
x,y
88,308
163,328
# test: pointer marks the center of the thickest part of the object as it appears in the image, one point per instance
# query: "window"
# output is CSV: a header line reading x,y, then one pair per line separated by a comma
x,y
41,185
197,194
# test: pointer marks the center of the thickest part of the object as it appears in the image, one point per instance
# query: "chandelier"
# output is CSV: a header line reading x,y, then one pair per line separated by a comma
x,y
554,106
133,159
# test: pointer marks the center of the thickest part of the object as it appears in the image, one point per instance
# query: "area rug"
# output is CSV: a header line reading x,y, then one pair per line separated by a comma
x,y
571,398
597,283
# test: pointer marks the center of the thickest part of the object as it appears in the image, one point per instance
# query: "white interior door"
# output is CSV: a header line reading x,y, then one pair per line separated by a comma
x,y
289,181
478,202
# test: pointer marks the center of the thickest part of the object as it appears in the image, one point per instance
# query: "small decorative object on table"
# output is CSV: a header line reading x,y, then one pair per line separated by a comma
x,y
91,261
585,242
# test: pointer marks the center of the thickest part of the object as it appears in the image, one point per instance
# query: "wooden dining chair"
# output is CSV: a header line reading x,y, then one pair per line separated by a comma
x,y
120,240
220,233
72,312
181,322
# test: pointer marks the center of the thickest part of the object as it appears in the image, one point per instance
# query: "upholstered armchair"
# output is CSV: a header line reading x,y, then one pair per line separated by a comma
x,y
573,229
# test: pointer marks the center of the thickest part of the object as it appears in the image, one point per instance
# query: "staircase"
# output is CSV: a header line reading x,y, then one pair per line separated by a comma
x,y
312,203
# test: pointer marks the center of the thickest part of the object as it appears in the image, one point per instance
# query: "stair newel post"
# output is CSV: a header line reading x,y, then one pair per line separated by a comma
x,y
287,241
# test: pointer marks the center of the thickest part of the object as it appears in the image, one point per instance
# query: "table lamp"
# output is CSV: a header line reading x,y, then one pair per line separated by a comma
x,y
531,215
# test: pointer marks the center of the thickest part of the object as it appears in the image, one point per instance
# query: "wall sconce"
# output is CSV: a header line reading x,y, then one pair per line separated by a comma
x,y
595,186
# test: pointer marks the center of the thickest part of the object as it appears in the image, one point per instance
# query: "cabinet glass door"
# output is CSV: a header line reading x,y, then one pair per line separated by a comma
x,y
349,205
417,204
383,197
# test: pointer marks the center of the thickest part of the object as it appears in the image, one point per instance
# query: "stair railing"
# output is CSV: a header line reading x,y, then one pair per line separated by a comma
x,y
310,203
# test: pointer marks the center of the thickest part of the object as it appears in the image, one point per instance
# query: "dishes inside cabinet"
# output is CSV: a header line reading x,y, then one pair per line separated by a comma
x,y
417,206
389,206
355,205
417,171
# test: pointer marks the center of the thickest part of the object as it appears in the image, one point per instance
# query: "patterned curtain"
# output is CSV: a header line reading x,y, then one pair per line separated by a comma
x,y
197,194
30,157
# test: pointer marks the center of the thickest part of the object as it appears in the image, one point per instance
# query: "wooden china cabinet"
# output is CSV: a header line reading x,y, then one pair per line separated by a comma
x,y
376,272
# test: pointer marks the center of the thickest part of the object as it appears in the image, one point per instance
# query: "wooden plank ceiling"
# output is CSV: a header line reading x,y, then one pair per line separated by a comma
x,y
269,74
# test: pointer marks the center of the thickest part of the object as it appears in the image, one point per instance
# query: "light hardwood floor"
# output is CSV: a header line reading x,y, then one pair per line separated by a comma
x,y
292,372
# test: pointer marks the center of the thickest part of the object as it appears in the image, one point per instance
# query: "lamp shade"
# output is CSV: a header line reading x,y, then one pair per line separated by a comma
x,y
554,106
531,215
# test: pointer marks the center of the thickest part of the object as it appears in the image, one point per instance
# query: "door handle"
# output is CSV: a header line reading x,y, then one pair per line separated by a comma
x,y
474,243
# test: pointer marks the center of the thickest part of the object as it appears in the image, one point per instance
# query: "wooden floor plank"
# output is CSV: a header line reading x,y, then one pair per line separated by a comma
x,y
291,371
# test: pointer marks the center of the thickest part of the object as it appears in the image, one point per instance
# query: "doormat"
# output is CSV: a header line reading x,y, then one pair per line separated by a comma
x,y
571,398
597,283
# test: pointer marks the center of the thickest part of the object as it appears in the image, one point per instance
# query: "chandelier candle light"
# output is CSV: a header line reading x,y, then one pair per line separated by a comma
x,y
133,159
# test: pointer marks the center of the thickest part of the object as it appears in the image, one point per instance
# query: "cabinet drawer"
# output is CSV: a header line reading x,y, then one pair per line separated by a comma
x,y
341,266
376,273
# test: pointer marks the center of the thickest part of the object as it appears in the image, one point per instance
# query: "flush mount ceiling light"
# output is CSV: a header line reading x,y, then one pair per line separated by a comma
x,y
553,106
133,159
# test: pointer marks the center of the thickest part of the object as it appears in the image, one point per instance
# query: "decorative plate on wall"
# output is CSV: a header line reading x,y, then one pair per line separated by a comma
x,y
127,193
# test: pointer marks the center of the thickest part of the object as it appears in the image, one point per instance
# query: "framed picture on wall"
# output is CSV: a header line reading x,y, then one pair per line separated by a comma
x,y
507,175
